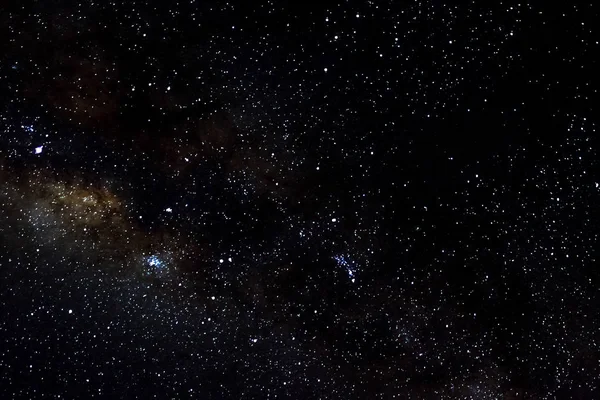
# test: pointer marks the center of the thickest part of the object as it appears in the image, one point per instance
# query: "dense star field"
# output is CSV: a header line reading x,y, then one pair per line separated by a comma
x,y
362,200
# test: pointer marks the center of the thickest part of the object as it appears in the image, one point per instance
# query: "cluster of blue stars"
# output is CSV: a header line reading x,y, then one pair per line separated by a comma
x,y
348,265
154,265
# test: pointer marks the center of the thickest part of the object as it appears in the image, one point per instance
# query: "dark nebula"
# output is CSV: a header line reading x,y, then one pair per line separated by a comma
x,y
363,200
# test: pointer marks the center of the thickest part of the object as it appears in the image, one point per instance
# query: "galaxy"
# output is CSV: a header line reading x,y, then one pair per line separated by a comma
x,y
279,200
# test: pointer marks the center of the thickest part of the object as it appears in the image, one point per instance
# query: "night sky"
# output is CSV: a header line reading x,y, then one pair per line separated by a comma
x,y
360,200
